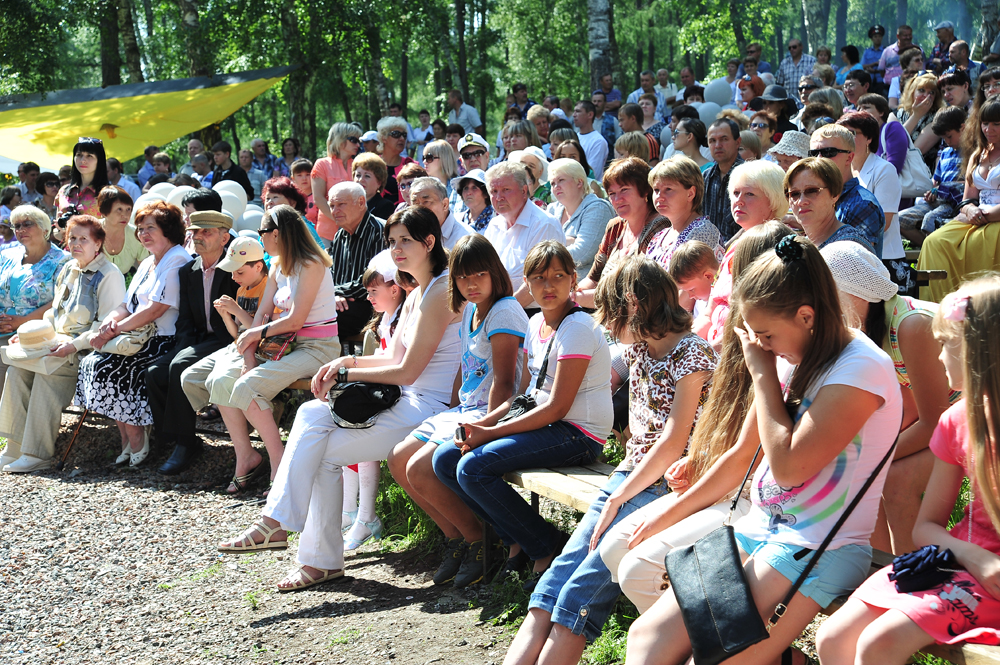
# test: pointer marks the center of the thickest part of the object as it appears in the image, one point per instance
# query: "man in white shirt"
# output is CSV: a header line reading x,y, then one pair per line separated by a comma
x,y
663,84
431,194
519,224
463,114
116,178
594,145
195,147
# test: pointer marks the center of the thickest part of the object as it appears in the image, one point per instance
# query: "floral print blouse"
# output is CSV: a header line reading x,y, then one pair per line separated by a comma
x,y
25,288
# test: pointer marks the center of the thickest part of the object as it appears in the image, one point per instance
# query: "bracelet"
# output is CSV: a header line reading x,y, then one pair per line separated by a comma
x,y
263,332
966,202
355,360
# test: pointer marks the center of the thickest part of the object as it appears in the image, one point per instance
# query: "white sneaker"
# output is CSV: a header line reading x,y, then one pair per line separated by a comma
x,y
27,464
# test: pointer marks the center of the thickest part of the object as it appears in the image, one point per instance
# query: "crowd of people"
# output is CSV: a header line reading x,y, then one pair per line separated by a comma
x,y
725,289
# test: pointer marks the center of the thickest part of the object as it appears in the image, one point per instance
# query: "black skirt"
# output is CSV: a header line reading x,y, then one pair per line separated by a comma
x,y
115,385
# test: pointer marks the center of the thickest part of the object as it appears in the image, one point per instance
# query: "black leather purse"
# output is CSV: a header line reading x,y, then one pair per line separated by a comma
x,y
713,592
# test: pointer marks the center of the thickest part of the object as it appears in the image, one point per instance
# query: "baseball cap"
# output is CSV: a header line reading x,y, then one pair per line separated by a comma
x,y
210,219
472,139
242,250
370,135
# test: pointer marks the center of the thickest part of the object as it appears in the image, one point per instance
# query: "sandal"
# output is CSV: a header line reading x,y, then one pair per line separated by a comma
x,y
305,580
246,542
241,483
211,413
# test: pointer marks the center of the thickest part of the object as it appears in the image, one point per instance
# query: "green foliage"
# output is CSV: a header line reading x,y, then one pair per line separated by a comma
x,y
406,524
610,646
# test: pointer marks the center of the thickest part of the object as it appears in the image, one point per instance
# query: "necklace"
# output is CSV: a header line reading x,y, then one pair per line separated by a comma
x,y
108,250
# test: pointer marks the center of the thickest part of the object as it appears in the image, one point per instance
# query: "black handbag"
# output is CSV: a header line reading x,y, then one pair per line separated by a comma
x,y
521,404
713,592
356,404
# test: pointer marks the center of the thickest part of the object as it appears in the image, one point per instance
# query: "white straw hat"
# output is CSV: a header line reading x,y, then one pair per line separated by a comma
x,y
858,272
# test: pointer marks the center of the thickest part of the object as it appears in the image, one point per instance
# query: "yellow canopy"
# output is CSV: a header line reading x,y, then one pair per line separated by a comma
x,y
127,118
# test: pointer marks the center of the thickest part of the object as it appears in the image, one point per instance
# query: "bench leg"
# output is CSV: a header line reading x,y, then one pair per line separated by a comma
x,y
534,501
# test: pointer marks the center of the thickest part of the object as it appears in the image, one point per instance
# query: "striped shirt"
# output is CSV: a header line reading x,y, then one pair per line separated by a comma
x,y
351,253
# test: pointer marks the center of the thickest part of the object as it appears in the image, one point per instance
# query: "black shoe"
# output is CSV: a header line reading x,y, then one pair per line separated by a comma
x,y
515,564
471,571
180,459
532,581
454,551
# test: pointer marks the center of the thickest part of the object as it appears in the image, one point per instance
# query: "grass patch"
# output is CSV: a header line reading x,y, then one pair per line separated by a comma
x,y
406,525
255,597
610,646
345,637
211,571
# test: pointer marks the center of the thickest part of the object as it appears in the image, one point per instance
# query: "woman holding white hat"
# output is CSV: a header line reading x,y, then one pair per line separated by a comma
x,y
89,287
902,327
534,161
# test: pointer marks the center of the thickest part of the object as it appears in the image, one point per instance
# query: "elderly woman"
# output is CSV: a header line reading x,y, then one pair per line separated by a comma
x,y
756,195
901,326
812,186
392,133
89,288
120,245
792,147
115,385
571,149
630,233
893,139
299,284
89,177
440,163
476,196
47,185
538,174
282,191
342,145
370,172
27,272
583,215
678,191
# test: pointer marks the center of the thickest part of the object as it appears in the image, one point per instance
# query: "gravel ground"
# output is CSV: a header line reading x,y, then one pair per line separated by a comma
x,y
101,565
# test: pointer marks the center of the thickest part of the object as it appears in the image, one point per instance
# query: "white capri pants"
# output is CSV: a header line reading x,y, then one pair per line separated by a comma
x,y
308,491
641,572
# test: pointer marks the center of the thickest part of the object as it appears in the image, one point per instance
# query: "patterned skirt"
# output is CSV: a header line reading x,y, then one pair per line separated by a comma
x,y
115,385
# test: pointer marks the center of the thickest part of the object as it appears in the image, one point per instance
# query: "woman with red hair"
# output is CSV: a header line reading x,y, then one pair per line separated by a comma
x,y
282,191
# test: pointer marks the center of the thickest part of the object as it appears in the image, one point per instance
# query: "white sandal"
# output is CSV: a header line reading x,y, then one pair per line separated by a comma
x,y
247,544
306,580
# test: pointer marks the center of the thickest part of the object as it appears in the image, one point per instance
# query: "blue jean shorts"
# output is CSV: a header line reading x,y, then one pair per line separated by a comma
x,y
577,589
838,572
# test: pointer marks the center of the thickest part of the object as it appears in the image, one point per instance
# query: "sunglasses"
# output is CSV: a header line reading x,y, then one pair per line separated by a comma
x,y
261,232
396,134
403,186
473,154
798,194
829,153
354,139
677,132
803,88
430,158
52,183
22,227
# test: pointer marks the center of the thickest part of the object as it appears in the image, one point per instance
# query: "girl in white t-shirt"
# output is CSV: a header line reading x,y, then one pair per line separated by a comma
x,y
360,523
568,427
492,334
824,427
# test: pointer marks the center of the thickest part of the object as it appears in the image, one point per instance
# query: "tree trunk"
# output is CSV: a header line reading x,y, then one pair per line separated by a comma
x,y
147,6
481,44
133,62
438,87
453,81
803,29
198,64
111,62
651,57
841,25
599,39
377,81
404,74
463,70
987,29
638,49
296,80
734,18
310,142
823,26
901,7
812,17
616,60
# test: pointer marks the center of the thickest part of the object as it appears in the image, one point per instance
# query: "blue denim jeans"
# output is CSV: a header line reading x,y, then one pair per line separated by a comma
x,y
577,589
477,478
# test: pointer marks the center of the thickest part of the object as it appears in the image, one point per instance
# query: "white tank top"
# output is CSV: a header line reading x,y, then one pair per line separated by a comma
x,y
324,307
438,378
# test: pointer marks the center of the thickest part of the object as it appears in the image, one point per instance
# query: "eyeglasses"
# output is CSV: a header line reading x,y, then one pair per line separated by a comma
x,y
52,183
677,132
22,227
829,153
798,194
473,154
354,139
759,125
803,88
261,232
396,134
430,158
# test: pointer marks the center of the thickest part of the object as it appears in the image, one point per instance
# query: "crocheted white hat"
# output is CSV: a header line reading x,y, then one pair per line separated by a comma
x,y
858,272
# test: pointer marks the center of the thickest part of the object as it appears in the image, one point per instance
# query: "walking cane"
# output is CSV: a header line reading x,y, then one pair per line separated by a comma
x,y
62,462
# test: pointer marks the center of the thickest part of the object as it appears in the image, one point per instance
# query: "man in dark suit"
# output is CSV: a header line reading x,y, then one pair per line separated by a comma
x,y
200,332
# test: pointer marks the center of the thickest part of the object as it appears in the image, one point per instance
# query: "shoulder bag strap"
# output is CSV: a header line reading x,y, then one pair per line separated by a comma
x,y
780,608
543,370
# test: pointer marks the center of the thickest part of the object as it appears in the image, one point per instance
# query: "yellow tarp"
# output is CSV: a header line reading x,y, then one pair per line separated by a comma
x,y
126,118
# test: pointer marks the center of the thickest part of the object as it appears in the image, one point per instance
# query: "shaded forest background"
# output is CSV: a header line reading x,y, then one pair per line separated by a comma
x,y
359,56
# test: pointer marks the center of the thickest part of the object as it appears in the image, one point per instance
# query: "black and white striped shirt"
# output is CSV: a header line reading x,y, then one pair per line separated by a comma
x,y
351,254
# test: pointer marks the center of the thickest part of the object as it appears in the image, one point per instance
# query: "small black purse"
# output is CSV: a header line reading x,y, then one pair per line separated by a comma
x,y
713,592
357,405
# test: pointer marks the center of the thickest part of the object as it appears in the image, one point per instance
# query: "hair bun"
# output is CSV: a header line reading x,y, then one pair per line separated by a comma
x,y
788,250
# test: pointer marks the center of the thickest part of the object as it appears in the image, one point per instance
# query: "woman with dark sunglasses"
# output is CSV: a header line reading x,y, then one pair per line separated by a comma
x,y
342,146
392,136
47,185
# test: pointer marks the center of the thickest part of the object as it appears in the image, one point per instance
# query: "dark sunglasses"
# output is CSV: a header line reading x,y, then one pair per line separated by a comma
x,y
473,154
829,153
261,232
803,88
354,139
396,134
52,183
430,158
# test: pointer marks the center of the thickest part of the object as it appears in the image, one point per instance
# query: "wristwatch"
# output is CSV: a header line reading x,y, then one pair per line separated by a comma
x,y
342,375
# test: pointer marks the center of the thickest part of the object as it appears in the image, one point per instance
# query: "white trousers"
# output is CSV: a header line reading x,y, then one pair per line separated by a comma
x,y
641,572
308,491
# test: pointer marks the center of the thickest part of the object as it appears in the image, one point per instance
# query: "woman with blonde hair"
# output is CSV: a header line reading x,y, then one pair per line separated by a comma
x,y
920,101
582,214
749,145
519,135
342,146
632,144
392,134
440,163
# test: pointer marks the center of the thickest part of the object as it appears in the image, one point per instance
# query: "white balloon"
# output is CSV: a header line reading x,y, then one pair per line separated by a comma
x,y
148,197
254,206
247,233
232,205
249,222
730,106
695,104
163,188
718,92
708,112
175,197
233,188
